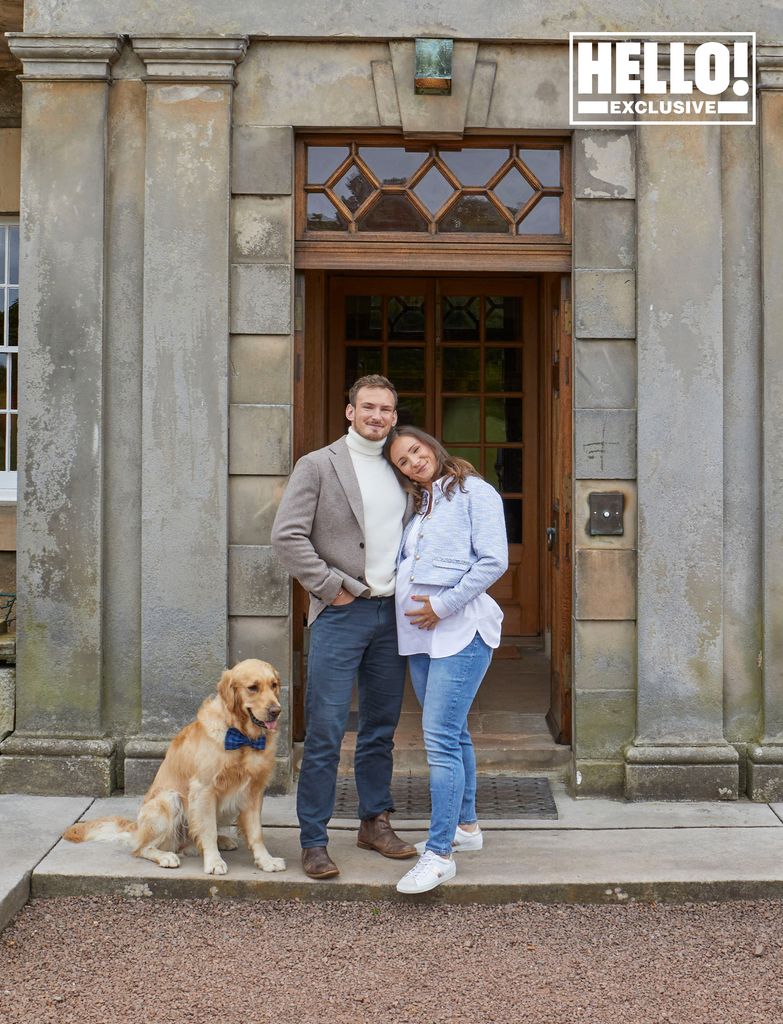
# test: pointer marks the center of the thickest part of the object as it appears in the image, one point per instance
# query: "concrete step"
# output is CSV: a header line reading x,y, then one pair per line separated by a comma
x,y
537,861
511,758
599,851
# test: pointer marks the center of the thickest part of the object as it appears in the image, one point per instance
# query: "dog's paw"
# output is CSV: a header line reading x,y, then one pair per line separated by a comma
x,y
168,860
271,864
226,843
215,866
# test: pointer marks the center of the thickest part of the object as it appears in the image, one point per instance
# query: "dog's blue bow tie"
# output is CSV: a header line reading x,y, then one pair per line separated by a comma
x,y
236,739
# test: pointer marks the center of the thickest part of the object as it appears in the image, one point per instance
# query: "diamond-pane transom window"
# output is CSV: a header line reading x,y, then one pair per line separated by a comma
x,y
362,189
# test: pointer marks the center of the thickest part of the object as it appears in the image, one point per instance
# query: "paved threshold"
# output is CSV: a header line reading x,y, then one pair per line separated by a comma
x,y
598,851
29,827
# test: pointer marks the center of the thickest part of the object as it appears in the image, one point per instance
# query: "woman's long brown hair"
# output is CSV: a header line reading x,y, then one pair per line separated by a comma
x,y
448,465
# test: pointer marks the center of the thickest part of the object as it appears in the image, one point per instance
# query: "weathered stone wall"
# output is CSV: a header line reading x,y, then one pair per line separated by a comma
x,y
317,19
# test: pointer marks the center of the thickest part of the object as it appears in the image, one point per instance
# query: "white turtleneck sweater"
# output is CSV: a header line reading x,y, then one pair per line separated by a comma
x,y
384,507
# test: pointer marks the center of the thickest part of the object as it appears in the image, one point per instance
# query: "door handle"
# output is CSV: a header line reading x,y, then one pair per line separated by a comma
x,y
551,534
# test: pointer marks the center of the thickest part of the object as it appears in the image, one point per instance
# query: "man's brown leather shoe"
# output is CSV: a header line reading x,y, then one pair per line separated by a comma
x,y
377,834
318,864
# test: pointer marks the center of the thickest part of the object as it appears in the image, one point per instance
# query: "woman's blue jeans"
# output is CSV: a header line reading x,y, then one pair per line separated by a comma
x,y
445,688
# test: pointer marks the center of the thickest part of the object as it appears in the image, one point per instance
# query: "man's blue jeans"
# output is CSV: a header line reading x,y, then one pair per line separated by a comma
x,y
445,688
349,641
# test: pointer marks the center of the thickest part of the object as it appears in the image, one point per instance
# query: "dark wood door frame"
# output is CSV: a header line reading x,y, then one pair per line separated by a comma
x,y
312,430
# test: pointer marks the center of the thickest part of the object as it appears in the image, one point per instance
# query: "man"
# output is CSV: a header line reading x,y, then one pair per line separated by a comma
x,y
338,531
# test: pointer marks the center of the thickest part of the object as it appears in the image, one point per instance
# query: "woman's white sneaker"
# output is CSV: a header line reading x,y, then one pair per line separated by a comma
x,y
428,873
462,842
468,840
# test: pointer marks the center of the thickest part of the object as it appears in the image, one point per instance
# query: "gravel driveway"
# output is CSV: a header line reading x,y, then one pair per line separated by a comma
x,y
104,960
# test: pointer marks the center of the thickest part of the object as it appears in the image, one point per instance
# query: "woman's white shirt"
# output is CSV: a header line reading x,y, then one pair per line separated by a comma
x,y
452,633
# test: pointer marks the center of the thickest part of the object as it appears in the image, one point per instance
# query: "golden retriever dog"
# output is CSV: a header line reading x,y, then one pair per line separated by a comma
x,y
210,777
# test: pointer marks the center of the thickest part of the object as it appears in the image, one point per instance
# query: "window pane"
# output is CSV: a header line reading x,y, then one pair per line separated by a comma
x,y
472,455
461,419
360,360
545,164
406,368
503,318
393,213
473,214
13,316
322,214
353,188
543,219
323,161
4,359
512,512
3,266
363,318
3,300
14,424
503,369
461,318
513,190
14,370
503,419
13,254
433,190
410,412
504,468
406,318
461,369
474,166
3,453
392,165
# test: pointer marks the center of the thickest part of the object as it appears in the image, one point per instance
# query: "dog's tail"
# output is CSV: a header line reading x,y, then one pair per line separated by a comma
x,y
102,830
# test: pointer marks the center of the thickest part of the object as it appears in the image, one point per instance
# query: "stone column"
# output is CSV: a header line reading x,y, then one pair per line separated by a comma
x,y
60,744
680,750
765,759
604,456
185,384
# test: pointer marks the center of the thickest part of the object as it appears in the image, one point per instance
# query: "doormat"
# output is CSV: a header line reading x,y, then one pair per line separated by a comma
x,y
497,796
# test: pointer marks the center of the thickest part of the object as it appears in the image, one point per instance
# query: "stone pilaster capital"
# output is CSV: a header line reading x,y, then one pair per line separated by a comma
x,y
208,59
769,67
65,58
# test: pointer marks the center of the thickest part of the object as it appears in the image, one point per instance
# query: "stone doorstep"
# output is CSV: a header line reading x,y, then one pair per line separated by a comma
x,y
598,851
546,759
556,865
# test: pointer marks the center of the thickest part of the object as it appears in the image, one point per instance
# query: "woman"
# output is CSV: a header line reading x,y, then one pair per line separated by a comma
x,y
452,551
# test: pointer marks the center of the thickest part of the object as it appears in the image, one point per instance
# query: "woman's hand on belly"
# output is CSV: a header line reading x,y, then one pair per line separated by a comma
x,y
424,617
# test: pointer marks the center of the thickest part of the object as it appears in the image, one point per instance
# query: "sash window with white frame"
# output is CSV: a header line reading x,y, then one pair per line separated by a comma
x,y
9,355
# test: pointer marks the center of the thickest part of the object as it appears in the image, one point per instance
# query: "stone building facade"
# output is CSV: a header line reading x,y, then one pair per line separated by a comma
x,y
163,290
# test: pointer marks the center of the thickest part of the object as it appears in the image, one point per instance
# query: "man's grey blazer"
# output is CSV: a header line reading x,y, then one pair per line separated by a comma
x,y
318,533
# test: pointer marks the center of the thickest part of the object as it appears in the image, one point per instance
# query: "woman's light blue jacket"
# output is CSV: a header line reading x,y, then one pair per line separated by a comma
x,y
462,543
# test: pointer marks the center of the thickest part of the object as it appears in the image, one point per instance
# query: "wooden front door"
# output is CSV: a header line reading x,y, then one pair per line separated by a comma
x,y
558,405
463,355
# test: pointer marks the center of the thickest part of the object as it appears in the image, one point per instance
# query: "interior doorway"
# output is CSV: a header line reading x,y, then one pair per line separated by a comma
x,y
483,363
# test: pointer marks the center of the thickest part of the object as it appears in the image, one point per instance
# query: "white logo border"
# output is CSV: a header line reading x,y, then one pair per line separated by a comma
x,y
617,123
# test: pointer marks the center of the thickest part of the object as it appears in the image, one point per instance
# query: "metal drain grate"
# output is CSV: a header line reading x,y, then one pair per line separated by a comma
x,y
498,796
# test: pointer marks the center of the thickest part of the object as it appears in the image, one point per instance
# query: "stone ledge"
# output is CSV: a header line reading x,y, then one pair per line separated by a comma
x,y
65,58
62,776
140,772
670,772
765,772
209,59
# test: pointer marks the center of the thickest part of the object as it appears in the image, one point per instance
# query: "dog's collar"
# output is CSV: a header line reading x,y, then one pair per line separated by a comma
x,y
236,739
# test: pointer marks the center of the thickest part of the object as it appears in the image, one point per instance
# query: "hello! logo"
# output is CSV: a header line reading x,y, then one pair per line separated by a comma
x,y
662,78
